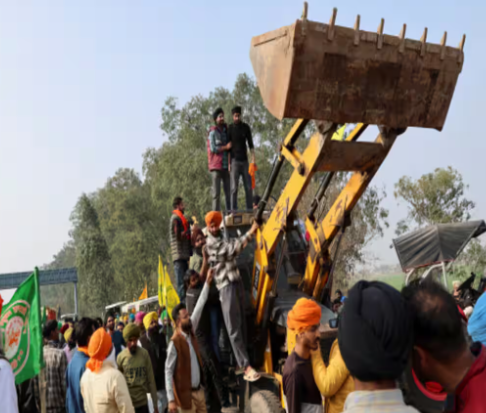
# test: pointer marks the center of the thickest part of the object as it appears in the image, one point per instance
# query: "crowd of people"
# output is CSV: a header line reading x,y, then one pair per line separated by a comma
x,y
144,363
95,368
381,334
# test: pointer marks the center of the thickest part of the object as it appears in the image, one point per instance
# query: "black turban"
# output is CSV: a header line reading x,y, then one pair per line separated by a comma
x,y
236,109
375,332
217,112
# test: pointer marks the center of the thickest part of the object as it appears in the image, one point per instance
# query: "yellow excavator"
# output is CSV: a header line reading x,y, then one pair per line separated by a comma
x,y
331,75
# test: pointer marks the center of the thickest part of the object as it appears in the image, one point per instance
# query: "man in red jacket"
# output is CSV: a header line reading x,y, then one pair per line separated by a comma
x,y
441,352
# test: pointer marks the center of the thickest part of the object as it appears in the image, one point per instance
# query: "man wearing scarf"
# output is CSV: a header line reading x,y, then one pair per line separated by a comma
x,y
375,339
135,364
154,342
84,329
239,134
218,147
441,353
222,258
180,244
103,387
300,389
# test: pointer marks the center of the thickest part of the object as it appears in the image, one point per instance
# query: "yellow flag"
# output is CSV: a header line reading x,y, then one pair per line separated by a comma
x,y
160,283
144,294
169,295
339,134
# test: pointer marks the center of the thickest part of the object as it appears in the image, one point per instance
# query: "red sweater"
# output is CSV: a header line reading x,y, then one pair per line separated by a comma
x,y
470,395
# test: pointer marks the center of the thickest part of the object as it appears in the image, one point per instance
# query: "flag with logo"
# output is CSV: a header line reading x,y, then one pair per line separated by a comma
x,y
167,294
20,328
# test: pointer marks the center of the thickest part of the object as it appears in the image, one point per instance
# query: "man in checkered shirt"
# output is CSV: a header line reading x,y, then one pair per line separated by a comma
x,y
222,255
55,370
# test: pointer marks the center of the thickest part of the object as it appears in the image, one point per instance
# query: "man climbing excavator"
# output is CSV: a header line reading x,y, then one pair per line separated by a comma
x,y
332,75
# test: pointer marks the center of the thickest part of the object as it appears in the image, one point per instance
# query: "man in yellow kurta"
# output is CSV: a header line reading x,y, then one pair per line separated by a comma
x,y
334,381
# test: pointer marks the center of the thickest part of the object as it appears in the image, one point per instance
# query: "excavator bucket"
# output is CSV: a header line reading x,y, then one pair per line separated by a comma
x,y
322,71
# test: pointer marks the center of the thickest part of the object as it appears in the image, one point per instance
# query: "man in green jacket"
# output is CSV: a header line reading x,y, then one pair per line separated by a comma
x,y
134,362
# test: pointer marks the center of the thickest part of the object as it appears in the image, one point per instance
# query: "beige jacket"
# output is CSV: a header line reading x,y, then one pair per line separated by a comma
x,y
105,391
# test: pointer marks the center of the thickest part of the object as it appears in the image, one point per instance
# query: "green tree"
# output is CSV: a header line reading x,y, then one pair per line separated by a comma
x,y
179,167
434,198
96,278
133,231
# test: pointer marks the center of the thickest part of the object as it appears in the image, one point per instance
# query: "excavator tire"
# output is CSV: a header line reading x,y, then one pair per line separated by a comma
x,y
264,401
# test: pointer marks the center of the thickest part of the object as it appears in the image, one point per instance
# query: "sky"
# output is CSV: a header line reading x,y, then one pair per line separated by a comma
x,y
82,85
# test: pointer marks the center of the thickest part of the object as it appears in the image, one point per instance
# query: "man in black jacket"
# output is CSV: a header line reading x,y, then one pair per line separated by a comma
x,y
239,134
154,342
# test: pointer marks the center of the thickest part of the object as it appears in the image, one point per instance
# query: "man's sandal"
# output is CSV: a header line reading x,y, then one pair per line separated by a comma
x,y
252,375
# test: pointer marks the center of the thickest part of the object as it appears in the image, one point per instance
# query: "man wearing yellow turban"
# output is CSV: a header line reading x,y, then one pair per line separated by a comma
x,y
298,381
154,342
103,387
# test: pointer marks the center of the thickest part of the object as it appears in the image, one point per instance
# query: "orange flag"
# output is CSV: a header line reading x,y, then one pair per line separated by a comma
x,y
144,293
252,170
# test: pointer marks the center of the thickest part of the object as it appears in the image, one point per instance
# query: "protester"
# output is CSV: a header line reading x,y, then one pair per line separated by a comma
x,y
8,393
55,369
167,328
180,244
218,147
199,262
184,365
476,326
334,381
207,336
239,135
198,241
134,362
120,326
375,338
441,352
103,387
222,257
139,322
154,342
455,289
70,346
115,335
83,331
300,389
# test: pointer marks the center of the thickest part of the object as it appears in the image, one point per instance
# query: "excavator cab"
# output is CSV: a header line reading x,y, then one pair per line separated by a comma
x,y
332,75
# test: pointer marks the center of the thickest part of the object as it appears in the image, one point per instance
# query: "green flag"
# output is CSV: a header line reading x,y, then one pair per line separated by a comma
x,y
20,324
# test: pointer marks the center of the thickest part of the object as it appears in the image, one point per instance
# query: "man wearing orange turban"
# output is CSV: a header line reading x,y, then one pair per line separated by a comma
x,y
214,218
298,381
222,255
103,387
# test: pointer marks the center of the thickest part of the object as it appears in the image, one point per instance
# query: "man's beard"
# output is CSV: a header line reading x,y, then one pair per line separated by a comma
x,y
133,350
154,331
186,326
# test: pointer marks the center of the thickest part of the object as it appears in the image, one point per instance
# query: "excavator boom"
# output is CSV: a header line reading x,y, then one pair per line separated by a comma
x,y
337,75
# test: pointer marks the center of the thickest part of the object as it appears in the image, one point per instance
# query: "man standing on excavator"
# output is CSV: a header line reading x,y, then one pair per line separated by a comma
x,y
222,258
239,134
219,160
